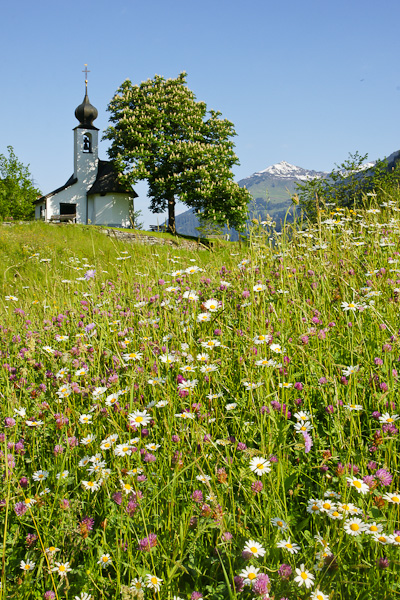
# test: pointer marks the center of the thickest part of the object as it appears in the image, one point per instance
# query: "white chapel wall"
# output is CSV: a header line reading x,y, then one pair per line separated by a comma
x,y
112,209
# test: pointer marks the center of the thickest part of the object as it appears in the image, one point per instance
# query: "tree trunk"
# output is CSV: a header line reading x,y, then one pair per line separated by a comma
x,y
171,215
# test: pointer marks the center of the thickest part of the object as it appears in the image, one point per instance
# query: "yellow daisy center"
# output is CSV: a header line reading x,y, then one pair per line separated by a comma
x,y
304,576
139,419
260,466
288,545
154,580
279,523
354,527
61,568
395,499
335,513
357,484
252,576
105,559
326,505
253,549
373,528
382,538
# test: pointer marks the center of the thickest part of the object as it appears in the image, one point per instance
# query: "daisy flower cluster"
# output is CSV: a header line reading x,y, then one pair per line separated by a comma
x,y
183,424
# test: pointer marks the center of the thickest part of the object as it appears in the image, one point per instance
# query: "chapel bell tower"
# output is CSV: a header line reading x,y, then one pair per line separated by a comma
x,y
86,141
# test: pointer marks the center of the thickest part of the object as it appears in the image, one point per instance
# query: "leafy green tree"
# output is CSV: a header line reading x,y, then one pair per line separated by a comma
x,y
347,185
17,190
161,134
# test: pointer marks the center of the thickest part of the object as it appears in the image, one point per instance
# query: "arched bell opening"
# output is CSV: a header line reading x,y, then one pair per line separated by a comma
x,y
87,143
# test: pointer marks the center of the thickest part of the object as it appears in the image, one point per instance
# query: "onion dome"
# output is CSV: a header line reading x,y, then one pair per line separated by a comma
x,y
86,113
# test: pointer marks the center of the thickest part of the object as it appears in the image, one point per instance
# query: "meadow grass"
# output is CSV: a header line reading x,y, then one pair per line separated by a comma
x,y
179,424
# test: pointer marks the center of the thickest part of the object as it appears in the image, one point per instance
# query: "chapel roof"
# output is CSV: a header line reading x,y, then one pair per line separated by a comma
x,y
86,113
107,181
66,185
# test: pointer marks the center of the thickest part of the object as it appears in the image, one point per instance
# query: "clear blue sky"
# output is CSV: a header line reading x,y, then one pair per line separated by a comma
x,y
303,81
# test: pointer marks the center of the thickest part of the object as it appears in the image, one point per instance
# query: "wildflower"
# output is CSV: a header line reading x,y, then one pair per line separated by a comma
x,y
203,317
304,577
285,571
394,497
327,505
211,305
62,568
209,368
259,287
262,339
384,477
265,362
88,440
153,582
93,486
313,507
260,465
289,546
255,548
350,370
302,416
318,595
51,550
87,419
383,539
276,522
139,419
211,344
123,450
357,407
27,566
40,475
359,484
132,356
373,528
80,372
354,526
303,426
277,349
105,560
137,584
353,306
203,478
98,391
387,418
252,386
249,574
185,415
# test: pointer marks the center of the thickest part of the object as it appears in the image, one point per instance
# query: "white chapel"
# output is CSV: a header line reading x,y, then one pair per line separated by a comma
x,y
93,193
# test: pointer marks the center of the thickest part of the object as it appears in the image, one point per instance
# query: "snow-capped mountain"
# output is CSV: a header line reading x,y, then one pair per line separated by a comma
x,y
285,170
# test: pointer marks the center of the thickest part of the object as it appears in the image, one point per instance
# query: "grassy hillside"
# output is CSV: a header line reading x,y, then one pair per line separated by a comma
x,y
220,425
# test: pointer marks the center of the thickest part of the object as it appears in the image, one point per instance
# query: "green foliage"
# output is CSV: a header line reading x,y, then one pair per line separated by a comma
x,y
161,134
347,185
17,190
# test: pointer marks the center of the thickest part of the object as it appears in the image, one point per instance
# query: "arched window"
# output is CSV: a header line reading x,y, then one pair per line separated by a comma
x,y
87,142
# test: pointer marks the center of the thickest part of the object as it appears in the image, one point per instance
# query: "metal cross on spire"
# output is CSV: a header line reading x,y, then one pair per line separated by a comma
x,y
86,71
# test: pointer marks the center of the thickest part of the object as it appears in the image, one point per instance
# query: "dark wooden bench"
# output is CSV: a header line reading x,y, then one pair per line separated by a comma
x,y
63,218
158,228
